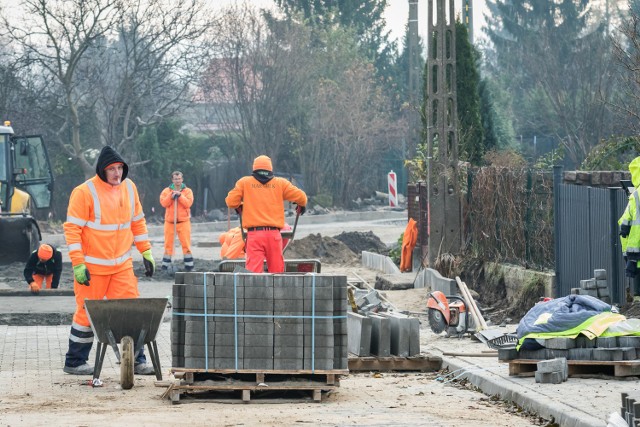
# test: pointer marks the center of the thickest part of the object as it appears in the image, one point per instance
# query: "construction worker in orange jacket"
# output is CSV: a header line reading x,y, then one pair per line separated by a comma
x,y
177,200
259,198
104,220
232,245
43,268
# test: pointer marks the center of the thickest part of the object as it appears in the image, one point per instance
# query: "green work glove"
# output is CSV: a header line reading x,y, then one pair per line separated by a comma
x,y
81,274
149,263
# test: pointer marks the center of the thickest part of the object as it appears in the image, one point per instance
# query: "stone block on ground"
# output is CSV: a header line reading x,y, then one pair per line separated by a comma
x,y
359,333
395,282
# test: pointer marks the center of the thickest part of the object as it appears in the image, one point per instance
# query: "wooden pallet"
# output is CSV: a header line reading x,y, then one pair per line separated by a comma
x,y
240,386
623,368
421,363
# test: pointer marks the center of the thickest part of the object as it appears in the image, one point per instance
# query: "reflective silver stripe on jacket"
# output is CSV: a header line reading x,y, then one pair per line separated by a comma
x,y
103,261
97,225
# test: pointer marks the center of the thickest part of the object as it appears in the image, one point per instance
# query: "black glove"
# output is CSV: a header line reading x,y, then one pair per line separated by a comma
x,y
631,269
175,196
301,210
238,210
149,268
625,229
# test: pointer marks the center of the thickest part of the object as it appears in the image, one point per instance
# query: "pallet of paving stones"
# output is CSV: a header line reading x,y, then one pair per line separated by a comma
x,y
419,363
625,368
630,409
246,386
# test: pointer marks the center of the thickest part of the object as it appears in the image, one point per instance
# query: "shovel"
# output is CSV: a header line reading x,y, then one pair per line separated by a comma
x,y
173,268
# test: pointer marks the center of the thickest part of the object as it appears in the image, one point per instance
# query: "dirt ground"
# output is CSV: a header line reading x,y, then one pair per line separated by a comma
x,y
399,399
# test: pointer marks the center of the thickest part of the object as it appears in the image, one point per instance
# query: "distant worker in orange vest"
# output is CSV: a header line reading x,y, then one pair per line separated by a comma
x,y
104,220
259,198
43,269
177,200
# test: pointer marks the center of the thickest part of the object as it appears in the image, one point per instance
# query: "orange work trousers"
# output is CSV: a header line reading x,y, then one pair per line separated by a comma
x,y
123,284
264,245
42,280
184,236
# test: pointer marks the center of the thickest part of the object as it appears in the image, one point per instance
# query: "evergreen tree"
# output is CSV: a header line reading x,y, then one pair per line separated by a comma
x,y
470,131
553,59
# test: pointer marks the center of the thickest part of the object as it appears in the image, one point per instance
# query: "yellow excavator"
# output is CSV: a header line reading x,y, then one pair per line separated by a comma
x,y
26,185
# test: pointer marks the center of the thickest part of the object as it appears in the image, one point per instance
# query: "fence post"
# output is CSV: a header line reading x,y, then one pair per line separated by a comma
x,y
615,250
557,181
527,220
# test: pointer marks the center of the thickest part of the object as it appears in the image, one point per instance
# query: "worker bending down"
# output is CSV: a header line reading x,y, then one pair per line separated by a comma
x,y
43,269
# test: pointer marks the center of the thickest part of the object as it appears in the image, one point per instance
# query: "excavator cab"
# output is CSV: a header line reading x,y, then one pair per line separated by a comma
x,y
26,184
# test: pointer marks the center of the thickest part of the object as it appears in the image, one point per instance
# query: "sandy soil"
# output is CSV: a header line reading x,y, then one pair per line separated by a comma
x,y
362,399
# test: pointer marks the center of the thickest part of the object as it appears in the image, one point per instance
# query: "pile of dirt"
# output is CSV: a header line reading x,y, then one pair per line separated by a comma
x,y
632,310
326,249
358,241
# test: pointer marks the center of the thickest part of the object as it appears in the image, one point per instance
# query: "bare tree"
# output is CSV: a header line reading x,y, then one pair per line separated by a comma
x,y
351,129
129,62
254,84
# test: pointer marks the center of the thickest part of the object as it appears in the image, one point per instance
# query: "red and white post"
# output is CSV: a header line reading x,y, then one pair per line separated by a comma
x,y
392,180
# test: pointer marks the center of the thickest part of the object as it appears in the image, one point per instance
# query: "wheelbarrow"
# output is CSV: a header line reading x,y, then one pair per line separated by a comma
x,y
132,323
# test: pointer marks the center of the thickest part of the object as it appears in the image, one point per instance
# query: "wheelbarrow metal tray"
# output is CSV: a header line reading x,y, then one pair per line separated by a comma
x,y
126,317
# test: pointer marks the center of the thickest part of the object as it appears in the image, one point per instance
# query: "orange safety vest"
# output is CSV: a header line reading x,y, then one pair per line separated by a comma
x,y
184,204
263,204
232,244
103,222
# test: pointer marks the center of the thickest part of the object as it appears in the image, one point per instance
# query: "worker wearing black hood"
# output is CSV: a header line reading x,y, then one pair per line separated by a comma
x,y
104,220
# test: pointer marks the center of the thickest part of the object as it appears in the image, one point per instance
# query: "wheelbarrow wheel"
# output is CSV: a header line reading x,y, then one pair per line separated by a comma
x,y
126,363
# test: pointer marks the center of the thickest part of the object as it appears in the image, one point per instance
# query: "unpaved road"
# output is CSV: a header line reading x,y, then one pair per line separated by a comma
x,y
389,399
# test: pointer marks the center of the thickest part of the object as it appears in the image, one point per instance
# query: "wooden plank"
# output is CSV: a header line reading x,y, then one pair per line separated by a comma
x,y
394,363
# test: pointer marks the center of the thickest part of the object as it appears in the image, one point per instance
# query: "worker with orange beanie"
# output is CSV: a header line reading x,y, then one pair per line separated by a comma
x,y
177,200
43,269
104,220
259,198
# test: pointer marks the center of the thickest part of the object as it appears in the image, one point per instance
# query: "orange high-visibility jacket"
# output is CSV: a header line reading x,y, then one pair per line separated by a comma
x,y
263,204
103,222
184,204
232,244
408,244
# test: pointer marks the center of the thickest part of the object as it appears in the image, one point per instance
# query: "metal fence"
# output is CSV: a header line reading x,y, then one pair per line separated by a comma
x,y
586,235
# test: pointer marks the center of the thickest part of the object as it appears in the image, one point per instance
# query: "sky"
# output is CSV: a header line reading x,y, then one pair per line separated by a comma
x,y
397,14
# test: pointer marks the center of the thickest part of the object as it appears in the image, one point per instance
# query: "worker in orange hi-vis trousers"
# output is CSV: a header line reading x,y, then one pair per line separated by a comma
x,y
409,241
177,200
43,269
104,220
259,198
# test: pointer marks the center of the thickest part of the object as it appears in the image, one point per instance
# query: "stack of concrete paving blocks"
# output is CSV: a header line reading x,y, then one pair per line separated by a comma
x,y
582,348
596,287
259,322
553,371
383,334
630,409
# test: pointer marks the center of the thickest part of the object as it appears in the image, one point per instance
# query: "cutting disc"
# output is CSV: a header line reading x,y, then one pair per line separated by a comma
x,y
436,320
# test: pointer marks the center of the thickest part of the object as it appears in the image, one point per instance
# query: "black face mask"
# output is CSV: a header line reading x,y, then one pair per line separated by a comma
x,y
263,176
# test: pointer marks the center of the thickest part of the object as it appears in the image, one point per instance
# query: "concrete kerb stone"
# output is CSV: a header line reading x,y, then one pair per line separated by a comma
x,y
495,385
430,278
379,262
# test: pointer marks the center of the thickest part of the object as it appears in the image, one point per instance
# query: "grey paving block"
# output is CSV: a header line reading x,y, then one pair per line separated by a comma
x,y
288,364
534,354
549,378
603,292
230,352
359,332
553,353
256,352
560,343
605,354
602,284
551,365
588,284
582,341
600,274
629,341
628,353
507,354
288,352
226,363
198,351
380,336
607,342
257,364
575,291
580,354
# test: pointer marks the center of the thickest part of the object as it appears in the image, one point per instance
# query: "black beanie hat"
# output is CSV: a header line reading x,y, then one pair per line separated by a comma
x,y
107,157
